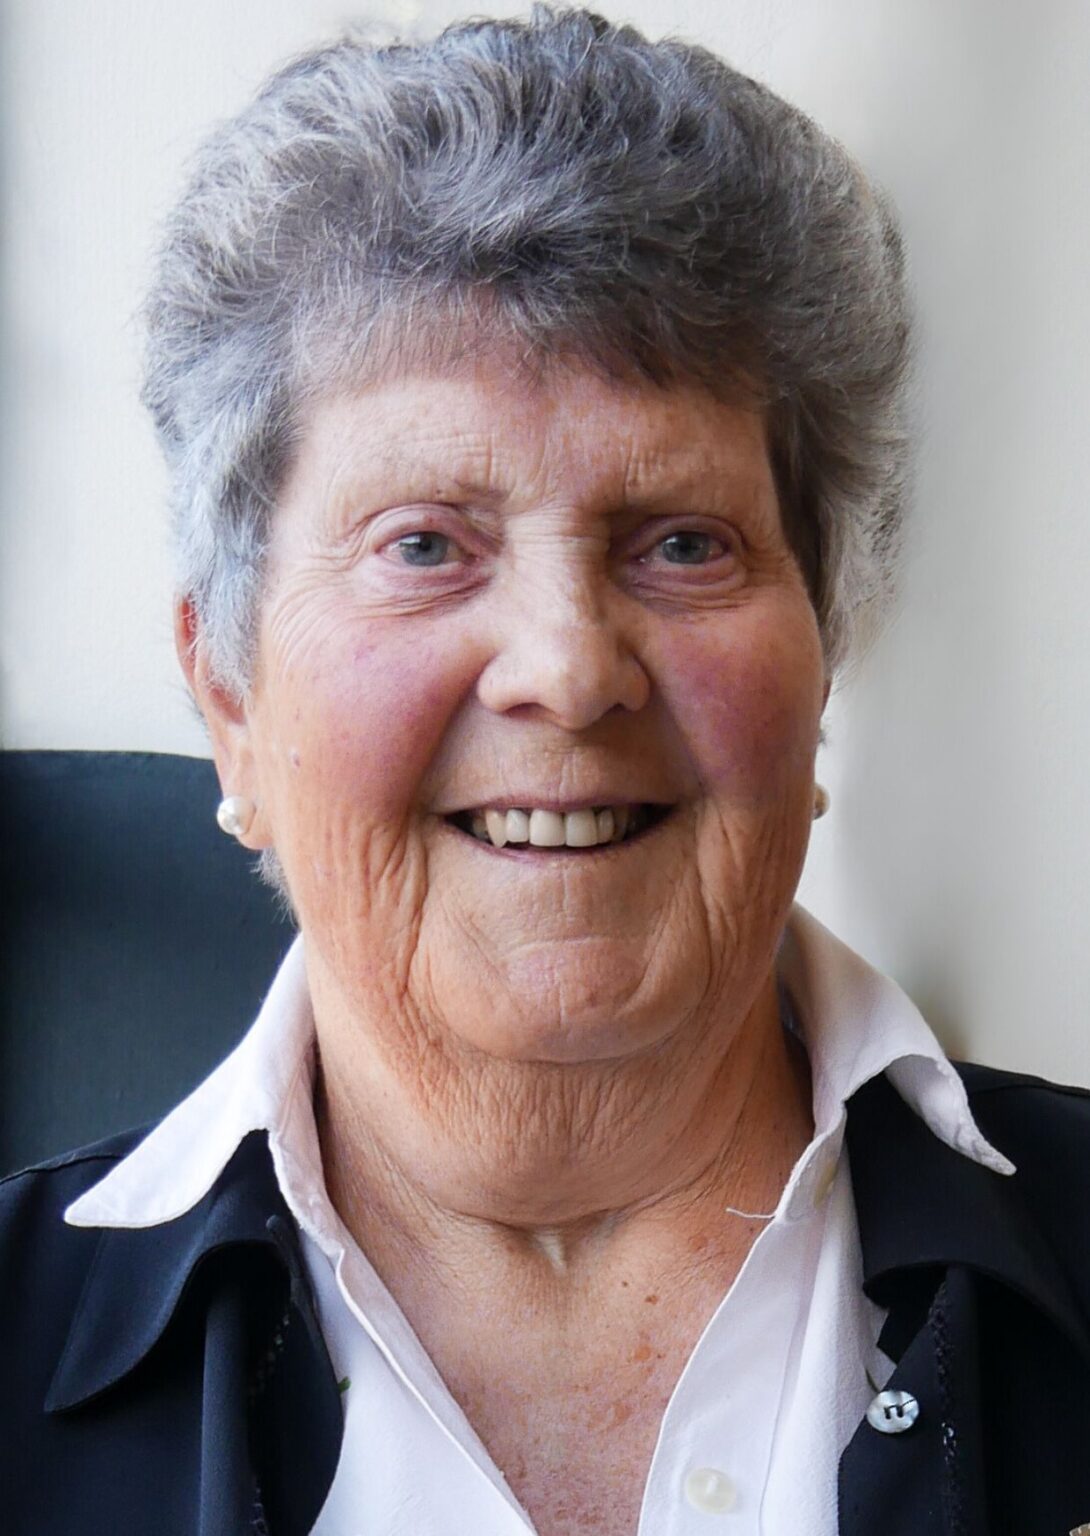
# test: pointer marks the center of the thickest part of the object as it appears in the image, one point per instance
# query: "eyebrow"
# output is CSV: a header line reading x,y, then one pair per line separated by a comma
x,y
476,489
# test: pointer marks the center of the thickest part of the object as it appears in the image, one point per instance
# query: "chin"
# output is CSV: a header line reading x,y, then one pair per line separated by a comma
x,y
578,1014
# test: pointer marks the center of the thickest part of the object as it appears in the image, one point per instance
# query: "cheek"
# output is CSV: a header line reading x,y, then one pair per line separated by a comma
x,y
748,704
366,718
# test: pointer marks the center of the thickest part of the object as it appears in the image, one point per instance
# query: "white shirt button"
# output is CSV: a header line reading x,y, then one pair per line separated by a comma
x,y
710,1491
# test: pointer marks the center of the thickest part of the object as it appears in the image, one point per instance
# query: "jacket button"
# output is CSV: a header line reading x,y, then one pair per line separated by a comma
x,y
891,1413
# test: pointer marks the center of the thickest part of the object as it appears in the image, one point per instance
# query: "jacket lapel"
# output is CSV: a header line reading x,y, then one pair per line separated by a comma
x,y
929,1480
922,1206
933,1226
221,1298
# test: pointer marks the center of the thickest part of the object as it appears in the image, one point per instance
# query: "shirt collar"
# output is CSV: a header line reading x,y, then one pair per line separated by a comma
x,y
856,1022
859,1024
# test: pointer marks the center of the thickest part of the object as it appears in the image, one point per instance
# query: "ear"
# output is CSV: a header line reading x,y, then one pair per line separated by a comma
x,y
228,719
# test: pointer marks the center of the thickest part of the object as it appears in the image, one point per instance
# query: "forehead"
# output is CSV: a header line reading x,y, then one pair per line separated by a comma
x,y
567,432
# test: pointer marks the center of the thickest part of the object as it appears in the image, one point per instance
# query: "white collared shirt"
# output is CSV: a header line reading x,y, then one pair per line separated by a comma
x,y
778,1381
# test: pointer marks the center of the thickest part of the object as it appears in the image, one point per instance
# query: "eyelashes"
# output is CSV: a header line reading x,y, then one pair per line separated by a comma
x,y
692,548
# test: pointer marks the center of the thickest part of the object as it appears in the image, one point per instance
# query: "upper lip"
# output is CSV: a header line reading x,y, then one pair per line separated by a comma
x,y
539,802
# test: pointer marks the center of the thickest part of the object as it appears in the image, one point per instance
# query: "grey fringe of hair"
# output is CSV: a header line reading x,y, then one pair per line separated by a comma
x,y
562,183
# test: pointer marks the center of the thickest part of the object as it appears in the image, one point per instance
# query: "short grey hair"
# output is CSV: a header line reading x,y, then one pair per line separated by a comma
x,y
562,182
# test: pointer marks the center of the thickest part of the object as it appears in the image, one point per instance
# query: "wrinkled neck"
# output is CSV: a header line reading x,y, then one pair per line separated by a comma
x,y
542,1175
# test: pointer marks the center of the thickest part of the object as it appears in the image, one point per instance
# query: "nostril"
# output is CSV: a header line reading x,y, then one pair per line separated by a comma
x,y
571,677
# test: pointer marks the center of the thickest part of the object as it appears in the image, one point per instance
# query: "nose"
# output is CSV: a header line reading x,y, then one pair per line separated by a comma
x,y
565,656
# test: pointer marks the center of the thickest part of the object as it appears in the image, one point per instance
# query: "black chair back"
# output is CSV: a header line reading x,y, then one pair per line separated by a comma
x,y
137,943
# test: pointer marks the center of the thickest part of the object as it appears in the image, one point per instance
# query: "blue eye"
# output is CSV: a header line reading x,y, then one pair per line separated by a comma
x,y
423,548
688,548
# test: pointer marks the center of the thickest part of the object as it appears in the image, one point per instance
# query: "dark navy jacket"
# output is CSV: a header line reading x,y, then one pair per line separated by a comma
x,y
174,1379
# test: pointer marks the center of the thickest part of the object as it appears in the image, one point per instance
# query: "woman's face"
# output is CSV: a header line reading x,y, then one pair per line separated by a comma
x,y
490,600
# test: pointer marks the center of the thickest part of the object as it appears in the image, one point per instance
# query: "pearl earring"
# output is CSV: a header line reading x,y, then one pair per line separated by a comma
x,y
821,800
234,814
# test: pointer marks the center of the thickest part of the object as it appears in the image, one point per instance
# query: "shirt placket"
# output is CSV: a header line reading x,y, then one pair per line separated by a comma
x,y
714,1448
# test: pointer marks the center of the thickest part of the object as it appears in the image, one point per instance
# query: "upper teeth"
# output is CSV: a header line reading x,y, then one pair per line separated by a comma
x,y
553,829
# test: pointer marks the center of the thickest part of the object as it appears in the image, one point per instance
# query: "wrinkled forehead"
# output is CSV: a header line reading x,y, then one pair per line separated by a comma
x,y
404,373
484,430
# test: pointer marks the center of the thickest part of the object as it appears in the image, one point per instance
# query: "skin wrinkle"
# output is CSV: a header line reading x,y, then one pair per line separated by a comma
x,y
596,1226
541,1077
667,919
478,943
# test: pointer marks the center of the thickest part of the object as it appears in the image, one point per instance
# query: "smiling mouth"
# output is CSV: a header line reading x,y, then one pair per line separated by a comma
x,y
559,831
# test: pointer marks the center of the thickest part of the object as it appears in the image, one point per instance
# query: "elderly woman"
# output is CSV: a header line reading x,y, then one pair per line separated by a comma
x,y
531,399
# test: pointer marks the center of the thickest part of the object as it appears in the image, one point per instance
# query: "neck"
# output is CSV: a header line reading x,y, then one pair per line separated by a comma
x,y
504,1176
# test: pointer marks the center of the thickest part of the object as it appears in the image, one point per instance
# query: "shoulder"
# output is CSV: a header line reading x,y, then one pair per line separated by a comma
x,y
75,1171
980,1079
44,1269
1027,1110
1044,1128
36,1246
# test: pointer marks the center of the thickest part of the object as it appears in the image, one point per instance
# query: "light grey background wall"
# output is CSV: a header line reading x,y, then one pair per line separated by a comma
x,y
955,852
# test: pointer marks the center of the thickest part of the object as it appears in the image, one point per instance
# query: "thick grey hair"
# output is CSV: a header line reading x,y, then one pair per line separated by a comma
x,y
560,182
